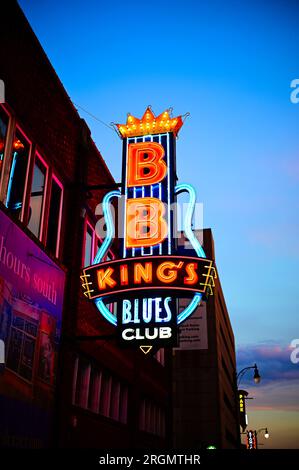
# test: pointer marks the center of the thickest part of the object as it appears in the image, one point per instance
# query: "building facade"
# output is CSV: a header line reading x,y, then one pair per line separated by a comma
x,y
205,402
69,392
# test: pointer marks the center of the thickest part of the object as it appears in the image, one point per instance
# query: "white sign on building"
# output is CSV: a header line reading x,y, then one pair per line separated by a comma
x,y
193,333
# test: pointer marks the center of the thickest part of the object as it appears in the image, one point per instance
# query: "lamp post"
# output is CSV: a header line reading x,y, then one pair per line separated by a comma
x,y
256,375
266,435
238,378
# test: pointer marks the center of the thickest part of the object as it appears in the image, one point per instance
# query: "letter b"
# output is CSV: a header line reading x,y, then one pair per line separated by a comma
x,y
145,224
145,164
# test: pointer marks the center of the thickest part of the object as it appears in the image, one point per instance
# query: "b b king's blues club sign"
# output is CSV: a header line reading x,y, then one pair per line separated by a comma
x,y
149,276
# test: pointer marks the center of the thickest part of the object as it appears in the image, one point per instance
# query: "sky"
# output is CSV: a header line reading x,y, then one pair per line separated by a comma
x,y
229,64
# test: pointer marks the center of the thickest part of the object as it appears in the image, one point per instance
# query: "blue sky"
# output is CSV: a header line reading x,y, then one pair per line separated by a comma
x,y
229,64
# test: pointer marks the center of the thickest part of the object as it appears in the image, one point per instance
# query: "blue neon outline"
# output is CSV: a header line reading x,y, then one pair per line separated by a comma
x,y
104,248
195,243
187,230
11,176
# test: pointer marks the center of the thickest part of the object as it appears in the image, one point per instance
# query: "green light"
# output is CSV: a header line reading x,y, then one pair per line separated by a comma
x,y
211,447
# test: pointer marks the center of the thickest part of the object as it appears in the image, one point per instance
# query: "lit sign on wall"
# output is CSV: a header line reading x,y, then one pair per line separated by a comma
x,y
184,273
149,277
242,408
251,440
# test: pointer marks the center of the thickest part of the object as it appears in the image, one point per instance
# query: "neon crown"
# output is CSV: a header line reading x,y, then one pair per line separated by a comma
x,y
150,124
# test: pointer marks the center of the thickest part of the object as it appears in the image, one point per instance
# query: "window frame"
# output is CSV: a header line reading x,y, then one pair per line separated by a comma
x,y
52,175
110,393
87,225
24,334
14,127
6,150
94,243
58,182
46,196
7,162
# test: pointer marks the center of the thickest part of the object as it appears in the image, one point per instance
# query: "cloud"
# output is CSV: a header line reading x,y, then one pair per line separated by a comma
x,y
273,361
278,389
283,426
281,395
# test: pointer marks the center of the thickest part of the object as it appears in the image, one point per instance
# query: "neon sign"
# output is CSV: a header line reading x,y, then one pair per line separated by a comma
x,y
118,277
149,275
251,440
242,408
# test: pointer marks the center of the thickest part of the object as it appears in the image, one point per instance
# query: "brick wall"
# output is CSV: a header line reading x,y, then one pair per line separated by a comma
x,y
44,111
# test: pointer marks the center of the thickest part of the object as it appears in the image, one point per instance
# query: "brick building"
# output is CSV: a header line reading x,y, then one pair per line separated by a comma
x,y
205,400
67,392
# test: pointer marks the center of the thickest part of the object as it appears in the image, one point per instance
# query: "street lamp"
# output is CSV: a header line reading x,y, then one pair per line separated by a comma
x,y
266,435
256,375
238,378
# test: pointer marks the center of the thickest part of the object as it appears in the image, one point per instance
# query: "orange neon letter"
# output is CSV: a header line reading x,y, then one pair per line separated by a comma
x,y
124,275
143,272
172,273
145,164
145,224
192,277
104,278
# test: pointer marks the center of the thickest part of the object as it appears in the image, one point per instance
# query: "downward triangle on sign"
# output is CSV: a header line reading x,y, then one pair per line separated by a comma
x,y
145,349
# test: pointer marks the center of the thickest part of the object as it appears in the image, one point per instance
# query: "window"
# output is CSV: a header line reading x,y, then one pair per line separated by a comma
x,y
94,390
3,135
82,383
99,391
75,378
21,349
54,221
114,403
142,416
123,404
88,252
18,174
92,244
151,418
105,395
32,205
36,203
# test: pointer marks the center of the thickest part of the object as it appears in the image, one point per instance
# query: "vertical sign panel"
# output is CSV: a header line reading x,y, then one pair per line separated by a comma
x,y
153,174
